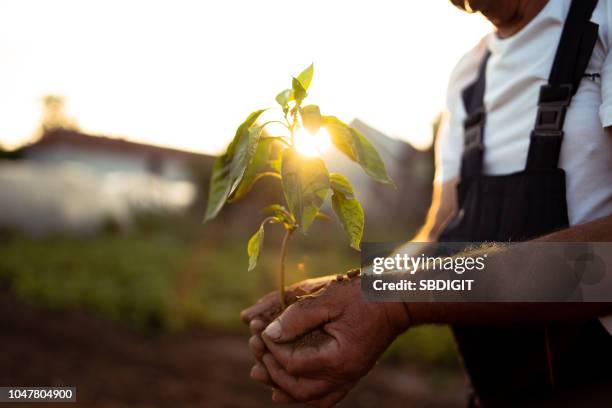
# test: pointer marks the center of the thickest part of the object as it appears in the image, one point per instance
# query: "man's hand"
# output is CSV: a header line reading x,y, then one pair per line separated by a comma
x,y
269,305
325,342
264,311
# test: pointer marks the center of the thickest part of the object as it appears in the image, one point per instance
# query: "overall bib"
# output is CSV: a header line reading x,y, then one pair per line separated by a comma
x,y
517,364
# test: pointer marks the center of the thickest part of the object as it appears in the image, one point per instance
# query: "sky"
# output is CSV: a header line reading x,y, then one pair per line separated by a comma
x,y
184,74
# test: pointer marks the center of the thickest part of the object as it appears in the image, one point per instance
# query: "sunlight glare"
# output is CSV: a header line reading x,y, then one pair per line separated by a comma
x,y
174,87
312,145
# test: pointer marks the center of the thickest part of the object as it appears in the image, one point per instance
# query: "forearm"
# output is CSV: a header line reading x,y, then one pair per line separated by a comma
x,y
521,312
595,231
476,313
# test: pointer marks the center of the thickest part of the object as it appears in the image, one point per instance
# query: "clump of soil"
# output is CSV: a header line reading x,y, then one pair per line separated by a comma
x,y
271,314
315,338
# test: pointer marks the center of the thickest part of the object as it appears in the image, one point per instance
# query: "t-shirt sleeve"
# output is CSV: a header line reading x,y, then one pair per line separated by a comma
x,y
605,110
449,147
449,140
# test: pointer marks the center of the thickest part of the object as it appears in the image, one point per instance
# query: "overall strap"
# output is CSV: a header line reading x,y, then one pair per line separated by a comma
x,y
474,124
571,60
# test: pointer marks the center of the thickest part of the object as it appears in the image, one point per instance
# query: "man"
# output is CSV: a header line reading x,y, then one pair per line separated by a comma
x,y
500,178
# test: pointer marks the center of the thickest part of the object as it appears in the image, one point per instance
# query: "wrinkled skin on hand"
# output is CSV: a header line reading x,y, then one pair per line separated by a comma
x,y
264,311
323,343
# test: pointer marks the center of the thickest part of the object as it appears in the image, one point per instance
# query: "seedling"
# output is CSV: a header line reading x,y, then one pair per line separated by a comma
x,y
255,153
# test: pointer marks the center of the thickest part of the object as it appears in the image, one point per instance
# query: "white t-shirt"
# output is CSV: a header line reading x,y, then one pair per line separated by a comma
x,y
518,66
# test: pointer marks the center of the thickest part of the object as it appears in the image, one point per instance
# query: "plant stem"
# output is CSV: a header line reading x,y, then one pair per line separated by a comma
x,y
289,230
283,257
294,122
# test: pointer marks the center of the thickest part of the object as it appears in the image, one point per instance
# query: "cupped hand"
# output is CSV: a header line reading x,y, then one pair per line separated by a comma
x,y
269,305
265,310
322,344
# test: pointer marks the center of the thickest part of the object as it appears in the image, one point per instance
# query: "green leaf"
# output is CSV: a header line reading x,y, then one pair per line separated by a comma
x,y
262,164
218,187
305,185
273,209
280,212
276,164
229,168
243,148
347,208
242,129
354,145
299,93
254,247
322,216
311,118
351,217
305,76
341,184
284,97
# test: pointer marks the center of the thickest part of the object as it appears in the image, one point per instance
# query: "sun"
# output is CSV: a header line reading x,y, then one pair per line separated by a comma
x,y
312,144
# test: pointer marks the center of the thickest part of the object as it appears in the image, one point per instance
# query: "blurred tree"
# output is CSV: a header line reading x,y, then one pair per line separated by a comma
x,y
54,115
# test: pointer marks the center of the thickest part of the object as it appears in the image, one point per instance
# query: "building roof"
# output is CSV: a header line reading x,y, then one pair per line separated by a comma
x,y
101,143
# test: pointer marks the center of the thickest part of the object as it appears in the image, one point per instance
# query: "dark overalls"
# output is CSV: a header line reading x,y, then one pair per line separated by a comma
x,y
522,364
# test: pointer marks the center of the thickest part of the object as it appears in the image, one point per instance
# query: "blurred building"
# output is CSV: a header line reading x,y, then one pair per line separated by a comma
x,y
72,183
111,155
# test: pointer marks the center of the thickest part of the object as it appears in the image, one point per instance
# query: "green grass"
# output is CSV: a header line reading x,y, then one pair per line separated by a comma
x,y
157,280
126,279
164,279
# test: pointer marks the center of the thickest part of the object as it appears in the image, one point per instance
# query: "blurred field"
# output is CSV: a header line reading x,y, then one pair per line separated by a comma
x,y
170,274
171,291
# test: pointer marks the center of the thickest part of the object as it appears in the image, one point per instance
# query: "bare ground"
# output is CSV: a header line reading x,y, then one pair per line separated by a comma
x,y
114,367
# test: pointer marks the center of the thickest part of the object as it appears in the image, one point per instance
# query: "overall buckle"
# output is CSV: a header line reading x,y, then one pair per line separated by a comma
x,y
550,118
473,127
473,138
552,107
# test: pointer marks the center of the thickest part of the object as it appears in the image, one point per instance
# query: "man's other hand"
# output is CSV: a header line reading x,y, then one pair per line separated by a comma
x,y
322,344
264,311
